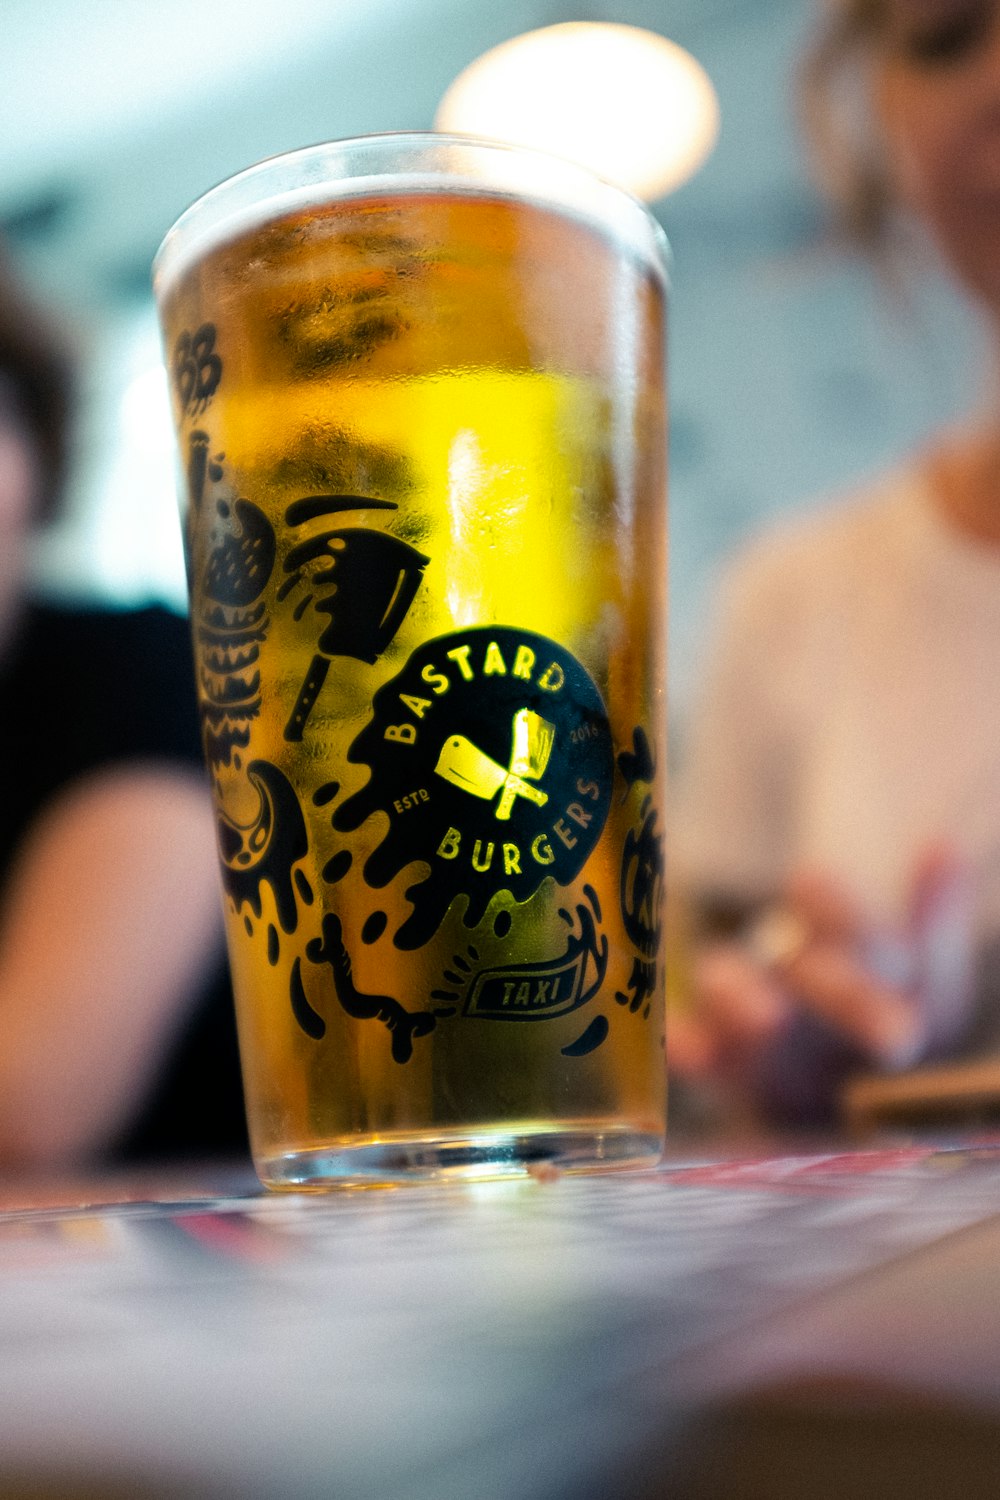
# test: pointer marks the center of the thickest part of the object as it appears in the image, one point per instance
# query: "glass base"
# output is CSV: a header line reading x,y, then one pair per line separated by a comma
x,y
479,1155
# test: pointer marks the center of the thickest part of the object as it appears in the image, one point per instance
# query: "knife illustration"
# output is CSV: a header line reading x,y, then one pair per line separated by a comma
x,y
466,766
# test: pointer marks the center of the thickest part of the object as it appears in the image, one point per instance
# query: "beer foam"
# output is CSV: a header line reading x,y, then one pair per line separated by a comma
x,y
319,176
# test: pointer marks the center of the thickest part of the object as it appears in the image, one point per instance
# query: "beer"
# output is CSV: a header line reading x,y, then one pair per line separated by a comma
x,y
422,427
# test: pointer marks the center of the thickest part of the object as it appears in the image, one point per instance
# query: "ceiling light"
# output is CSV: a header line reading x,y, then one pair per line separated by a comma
x,y
631,105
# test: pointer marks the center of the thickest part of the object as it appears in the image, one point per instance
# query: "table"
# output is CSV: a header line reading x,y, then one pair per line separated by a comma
x,y
700,1330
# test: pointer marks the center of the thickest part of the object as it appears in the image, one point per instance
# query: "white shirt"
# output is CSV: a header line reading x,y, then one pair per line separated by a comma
x,y
850,711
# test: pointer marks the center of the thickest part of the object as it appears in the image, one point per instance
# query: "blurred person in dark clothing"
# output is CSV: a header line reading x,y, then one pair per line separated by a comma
x,y
116,1031
838,829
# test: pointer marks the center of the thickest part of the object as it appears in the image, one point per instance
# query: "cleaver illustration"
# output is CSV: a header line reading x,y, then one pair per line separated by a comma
x,y
466,766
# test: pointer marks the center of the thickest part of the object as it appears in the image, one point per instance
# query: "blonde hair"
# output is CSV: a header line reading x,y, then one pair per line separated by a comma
x,y
837,118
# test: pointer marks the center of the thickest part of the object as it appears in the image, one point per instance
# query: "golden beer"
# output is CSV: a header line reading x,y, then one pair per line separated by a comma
x,y
419,394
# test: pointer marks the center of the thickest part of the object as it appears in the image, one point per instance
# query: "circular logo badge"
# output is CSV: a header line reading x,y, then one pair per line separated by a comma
x,y
491,755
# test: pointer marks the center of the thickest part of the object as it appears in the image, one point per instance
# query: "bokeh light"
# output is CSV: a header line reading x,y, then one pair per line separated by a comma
x,y
628,103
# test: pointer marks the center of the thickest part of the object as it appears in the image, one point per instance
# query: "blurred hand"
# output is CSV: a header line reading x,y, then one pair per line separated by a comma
x,y
818,989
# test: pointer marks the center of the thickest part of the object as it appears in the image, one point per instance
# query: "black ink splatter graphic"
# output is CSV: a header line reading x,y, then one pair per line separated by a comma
x,y
364,580
374,927
196,368
405,1026
232,627
310,1020
200,467
461,974
264,850
642,878
595,1034
637,764
491,754
337,866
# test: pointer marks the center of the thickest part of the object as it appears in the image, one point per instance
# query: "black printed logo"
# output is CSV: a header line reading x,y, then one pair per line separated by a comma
x,y
491,755
201,468
538,990
642,879
265,848
196,367
360,581
232,625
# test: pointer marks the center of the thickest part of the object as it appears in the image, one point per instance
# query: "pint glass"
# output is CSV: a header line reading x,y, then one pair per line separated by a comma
x,y
418,386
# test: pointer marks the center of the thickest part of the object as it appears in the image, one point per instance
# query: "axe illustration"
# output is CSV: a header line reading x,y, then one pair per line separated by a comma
x,y
466,766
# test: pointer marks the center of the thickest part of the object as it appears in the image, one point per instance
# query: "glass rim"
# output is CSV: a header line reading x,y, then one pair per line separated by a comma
x,y
291,179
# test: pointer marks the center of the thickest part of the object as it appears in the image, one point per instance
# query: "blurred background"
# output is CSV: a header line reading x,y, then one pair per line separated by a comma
x,y
792,374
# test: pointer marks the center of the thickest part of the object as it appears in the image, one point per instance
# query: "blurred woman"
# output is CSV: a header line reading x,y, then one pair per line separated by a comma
x,y
839,826
116,1033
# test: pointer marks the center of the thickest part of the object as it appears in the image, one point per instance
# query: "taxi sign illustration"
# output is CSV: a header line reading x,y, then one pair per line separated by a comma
x,y
466,766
